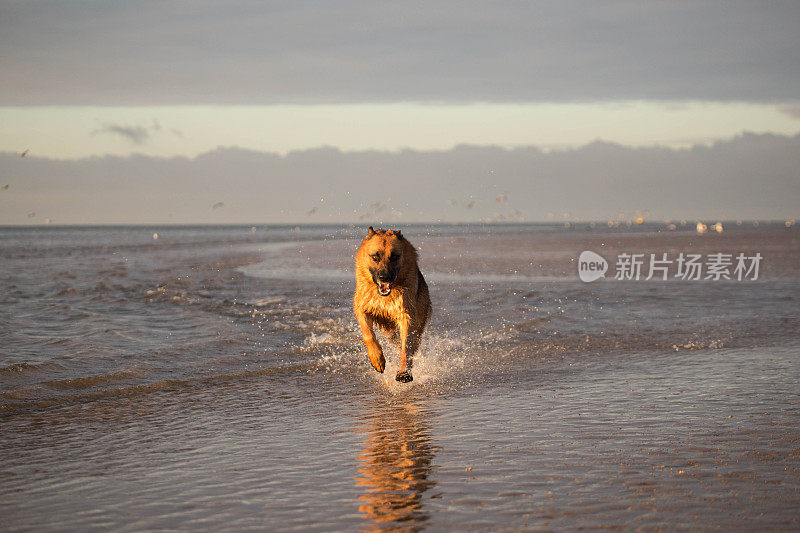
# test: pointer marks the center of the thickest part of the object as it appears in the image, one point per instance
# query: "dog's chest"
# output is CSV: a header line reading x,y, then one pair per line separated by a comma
x,y
390,306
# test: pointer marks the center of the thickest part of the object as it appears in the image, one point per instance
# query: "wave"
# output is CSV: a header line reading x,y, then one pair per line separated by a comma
x,y
445,359
29,368
93,381
137,390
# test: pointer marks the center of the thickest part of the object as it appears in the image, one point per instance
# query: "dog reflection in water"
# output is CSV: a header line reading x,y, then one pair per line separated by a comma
x,y
395,467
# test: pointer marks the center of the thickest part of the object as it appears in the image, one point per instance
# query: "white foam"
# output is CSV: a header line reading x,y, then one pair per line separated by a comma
x,y
322,338
264,302
437,359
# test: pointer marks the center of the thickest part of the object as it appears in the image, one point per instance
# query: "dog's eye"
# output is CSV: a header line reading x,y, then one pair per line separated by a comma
x,y
376,257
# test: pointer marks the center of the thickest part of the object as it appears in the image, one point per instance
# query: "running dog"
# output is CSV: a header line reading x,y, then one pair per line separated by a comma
x,y
390,292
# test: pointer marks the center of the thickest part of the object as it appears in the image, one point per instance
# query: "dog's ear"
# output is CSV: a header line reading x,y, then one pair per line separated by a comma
x,y
371,232
399,235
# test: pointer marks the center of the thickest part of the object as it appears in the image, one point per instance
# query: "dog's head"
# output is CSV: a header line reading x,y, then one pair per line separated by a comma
x,y
384,250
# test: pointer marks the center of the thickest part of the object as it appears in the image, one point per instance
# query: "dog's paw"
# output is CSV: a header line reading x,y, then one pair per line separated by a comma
x,y
404,376
378,361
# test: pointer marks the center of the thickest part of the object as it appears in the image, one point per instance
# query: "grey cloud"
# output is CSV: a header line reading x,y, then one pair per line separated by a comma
x,y
749,176
135,134
245,52
792,111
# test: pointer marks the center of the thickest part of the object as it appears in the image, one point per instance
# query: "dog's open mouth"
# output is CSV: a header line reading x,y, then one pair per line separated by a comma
x,y
384,288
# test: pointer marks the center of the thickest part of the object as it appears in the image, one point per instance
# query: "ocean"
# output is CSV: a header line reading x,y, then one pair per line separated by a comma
x,y
213,377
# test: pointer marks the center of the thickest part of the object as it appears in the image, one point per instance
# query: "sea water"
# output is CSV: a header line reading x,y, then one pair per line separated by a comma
x,y
215,378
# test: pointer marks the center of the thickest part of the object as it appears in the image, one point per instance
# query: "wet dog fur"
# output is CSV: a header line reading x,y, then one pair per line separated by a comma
x,y
392,294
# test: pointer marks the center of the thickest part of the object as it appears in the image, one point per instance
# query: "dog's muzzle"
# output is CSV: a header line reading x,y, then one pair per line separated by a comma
x,y
383,281
384,288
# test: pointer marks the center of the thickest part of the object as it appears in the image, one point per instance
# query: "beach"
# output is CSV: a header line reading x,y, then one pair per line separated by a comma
x,y
213,377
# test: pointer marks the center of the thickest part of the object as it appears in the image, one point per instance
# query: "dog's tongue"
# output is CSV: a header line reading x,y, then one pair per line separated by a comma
x,y
384,287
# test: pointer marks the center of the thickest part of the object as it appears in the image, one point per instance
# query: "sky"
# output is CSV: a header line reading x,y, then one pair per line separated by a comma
x,y
179,83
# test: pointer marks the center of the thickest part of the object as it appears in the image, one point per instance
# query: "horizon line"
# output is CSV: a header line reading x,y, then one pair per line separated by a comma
x,y
599,223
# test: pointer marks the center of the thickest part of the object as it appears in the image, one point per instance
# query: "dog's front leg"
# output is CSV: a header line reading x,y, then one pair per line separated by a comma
x,y
404,374
374,350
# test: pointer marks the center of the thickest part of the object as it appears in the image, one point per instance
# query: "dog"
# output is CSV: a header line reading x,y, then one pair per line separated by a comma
x,y
390,292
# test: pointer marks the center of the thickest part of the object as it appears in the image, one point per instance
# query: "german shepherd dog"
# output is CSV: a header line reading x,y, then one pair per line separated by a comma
x,y
390,292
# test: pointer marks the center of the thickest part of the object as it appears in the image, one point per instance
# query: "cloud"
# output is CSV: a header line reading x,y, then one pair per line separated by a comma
x,y
136,134
792,111
246,52
748,176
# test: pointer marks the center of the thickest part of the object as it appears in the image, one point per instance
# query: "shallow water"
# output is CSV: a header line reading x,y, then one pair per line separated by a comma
x,y
215,378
